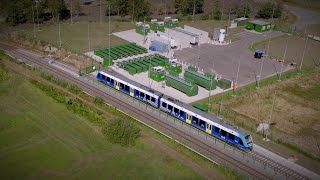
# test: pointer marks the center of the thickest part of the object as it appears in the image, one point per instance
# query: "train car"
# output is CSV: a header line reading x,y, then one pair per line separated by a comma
x,y
208,123
199,119
127,86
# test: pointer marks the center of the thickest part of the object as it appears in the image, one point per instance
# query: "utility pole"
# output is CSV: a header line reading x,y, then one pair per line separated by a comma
x,y
132,11
37,15
245,8
165,9
71,11
284,58
270,117
34,24
194,9
144,30
220,104
222,10
109,33
60,43
305,46
212,76
89,37
235,86
100,8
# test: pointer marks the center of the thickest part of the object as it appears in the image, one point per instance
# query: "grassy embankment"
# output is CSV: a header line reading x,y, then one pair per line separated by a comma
x,y
41,138
44,138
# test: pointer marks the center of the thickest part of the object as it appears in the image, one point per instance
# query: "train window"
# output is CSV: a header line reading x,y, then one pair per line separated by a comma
x,y
126,88
195,120
181,113
240,142
148,97
164,104
231,136
223,132
202,123
108,79
103,76
217,130
153,99
141,94
170,107
176,110
112,81
121,86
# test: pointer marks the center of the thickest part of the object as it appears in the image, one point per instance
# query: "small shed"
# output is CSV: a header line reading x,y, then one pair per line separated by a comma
x,y
241,21
259,26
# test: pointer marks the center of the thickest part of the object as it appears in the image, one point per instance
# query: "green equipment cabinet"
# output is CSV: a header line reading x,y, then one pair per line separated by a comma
x,y
142,29
201,107
259,26
107,61
153,25
205,80
187,87
170,23
225,83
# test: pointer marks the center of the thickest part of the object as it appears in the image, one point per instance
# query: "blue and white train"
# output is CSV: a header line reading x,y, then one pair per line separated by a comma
x,y
208,123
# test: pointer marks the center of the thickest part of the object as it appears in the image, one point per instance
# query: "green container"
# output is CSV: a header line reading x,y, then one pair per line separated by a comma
x,y
204,80
144,67
201,107
189,88
257,25
107,61
224,83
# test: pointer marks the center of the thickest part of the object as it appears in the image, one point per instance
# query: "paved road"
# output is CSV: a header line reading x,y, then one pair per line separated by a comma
x,y
304,16
225,59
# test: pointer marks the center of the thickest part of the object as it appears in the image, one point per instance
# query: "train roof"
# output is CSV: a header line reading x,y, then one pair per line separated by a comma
x,y
134,83
207,116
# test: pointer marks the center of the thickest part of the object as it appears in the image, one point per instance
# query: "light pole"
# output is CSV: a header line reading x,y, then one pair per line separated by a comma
x,y
305,46
284,58
34,24
194,9
71,11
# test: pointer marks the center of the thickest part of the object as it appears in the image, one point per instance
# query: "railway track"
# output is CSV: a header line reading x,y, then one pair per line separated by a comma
x,y
201,147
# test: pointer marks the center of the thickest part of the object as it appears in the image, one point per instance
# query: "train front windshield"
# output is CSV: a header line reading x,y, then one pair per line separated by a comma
x,y
249,140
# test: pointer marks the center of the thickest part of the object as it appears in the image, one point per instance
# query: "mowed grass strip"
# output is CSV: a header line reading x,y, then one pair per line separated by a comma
x,y
41,138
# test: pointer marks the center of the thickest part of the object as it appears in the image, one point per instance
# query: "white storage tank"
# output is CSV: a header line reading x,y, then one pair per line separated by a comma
x,y
222,35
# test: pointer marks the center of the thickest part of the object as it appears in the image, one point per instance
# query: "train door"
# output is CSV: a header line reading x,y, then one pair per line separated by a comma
x,y
131,91
117,85
188,119
209,127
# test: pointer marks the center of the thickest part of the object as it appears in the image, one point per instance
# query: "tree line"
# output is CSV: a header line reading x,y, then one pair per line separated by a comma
x,y
18,11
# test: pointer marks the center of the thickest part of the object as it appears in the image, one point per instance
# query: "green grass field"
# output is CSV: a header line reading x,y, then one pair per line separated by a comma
x,y
42,139
296,46
75,36
295,118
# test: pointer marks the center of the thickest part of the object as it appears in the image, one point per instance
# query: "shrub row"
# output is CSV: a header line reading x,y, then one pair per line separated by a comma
x,y
123,132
